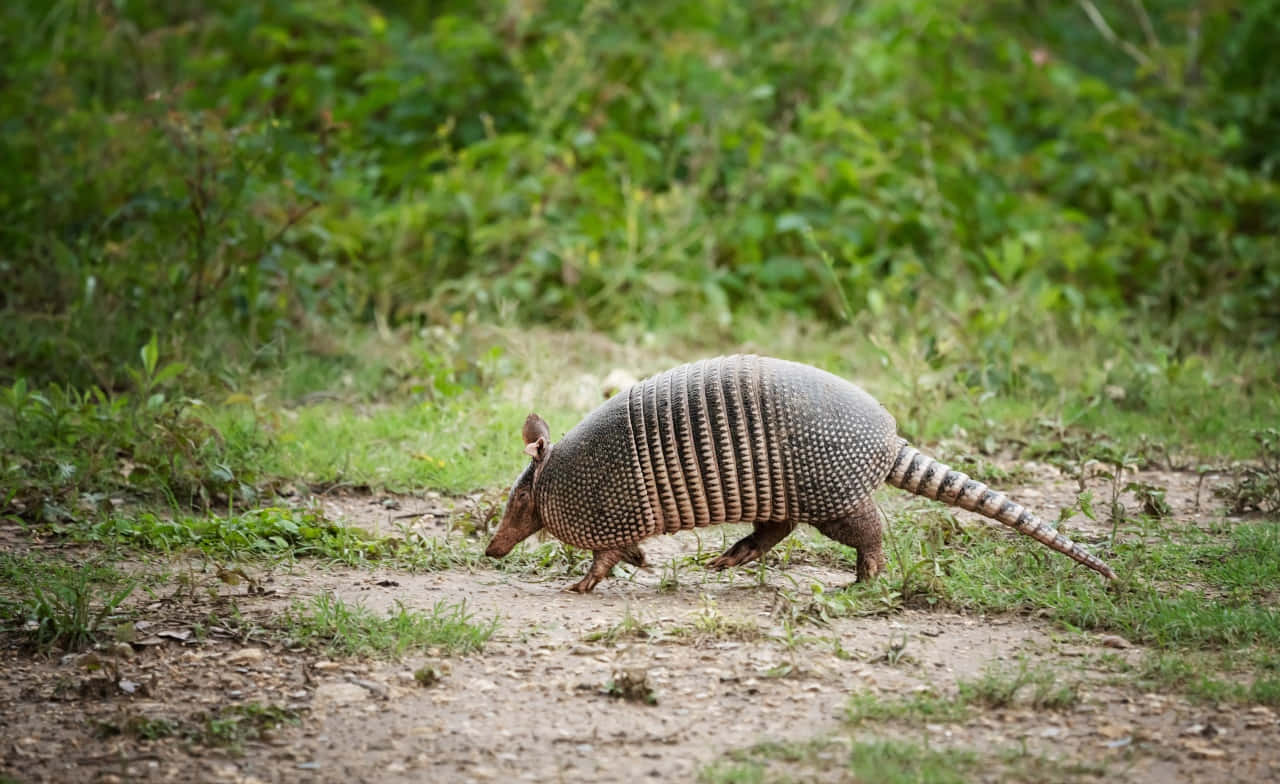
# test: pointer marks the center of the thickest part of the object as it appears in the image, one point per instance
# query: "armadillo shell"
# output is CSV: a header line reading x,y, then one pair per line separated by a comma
x,y
735,439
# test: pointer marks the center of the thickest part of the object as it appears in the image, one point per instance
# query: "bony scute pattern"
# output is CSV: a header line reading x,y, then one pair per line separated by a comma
x,y
739,439
918,473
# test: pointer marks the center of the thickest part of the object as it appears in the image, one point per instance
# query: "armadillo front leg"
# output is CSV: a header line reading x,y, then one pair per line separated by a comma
x,y
863,531
602,564
754,546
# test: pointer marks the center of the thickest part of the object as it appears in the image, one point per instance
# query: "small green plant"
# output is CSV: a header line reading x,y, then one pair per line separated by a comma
x,y
58,604
708,623
1257,487
232,725
669,581
428,675
631,685
338,628
631,627
895,653
1151,499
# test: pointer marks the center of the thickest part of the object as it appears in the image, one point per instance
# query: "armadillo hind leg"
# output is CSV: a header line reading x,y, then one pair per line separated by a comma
x,y
862,530
753,546
601,566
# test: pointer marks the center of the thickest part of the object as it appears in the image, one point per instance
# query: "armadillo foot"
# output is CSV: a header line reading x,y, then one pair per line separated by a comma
x,y
584,585
602,565
870,564
754,546
863,531
745,551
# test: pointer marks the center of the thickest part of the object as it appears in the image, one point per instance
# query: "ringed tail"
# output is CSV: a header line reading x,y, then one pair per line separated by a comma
x,y
920,474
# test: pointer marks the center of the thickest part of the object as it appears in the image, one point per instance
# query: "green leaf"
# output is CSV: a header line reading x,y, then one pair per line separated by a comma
x,y
150,354
169,371
790,221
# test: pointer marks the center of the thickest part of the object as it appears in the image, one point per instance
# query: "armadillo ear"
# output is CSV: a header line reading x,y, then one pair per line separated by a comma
x,y
537,449
535,428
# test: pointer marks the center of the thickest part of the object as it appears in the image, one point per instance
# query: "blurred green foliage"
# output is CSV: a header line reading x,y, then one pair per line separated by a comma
x,y
228,175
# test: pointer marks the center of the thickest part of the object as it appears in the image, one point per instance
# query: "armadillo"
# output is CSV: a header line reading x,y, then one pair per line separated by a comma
x,y
737,439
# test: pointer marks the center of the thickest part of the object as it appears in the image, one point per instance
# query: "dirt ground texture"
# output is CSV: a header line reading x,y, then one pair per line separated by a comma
x,y
533,705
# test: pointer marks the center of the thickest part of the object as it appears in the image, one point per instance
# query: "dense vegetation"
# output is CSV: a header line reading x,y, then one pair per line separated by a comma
x,y
1070,208
247,173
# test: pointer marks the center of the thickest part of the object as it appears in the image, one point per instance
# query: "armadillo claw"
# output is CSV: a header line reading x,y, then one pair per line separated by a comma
x,y
584,585
870,564
735,557
745,550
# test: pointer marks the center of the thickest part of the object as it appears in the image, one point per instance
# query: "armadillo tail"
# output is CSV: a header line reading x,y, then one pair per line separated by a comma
x,y
920,474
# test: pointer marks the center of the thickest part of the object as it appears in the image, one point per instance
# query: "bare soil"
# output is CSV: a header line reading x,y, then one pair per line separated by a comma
x,y
534,705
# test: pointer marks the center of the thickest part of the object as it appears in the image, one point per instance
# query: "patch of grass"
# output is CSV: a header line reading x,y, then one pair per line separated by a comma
x,y
733,773
919,706
998,687
750,765
144,727
550,560
232,725
1250,677
268,531
453,446
935,563
631,627
1038,687
894,762
330,624
277,532
1087,399
439,554
711,624
58,604
406,440
881,760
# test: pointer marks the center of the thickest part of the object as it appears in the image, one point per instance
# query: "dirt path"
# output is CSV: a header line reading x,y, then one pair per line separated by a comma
x,y
725,666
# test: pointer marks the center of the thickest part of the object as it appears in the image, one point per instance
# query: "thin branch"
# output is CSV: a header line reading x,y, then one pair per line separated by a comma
x,y
1095,16
1191,74
1144,19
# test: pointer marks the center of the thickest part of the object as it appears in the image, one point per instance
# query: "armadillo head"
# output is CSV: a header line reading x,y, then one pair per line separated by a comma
x,y
521,519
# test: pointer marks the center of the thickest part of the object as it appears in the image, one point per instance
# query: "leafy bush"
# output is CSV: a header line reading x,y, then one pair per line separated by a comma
x,y
64,451
227,175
